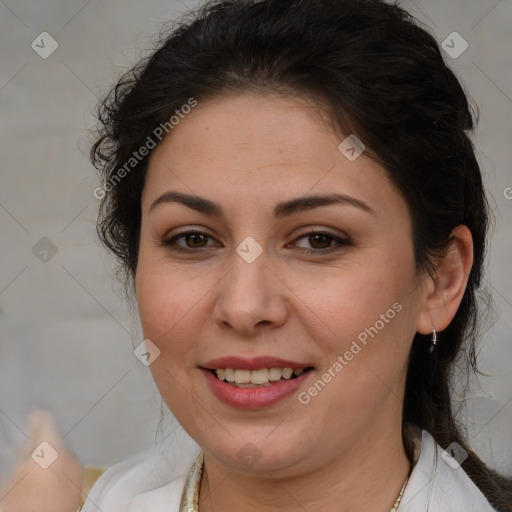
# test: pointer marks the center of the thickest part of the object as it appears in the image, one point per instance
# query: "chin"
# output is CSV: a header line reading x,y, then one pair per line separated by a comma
x,y
255,454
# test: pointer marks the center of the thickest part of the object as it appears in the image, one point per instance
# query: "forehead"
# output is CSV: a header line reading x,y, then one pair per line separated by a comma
x,y
265,124
254,147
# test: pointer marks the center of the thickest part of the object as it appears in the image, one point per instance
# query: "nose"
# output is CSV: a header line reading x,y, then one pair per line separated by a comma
x,y
251,298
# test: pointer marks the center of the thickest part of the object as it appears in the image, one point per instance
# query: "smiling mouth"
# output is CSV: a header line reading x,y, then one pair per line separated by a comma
x,y
257,378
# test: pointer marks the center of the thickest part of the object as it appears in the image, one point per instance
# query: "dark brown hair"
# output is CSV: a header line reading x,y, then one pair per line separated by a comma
x,y
383,78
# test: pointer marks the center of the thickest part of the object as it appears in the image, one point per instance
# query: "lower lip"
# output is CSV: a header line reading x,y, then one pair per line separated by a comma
x,y
253,398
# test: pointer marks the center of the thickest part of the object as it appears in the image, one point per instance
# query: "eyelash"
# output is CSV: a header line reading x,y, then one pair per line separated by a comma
x,y
171,242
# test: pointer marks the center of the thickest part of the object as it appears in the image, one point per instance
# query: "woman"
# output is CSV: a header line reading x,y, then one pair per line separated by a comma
x,y
292,193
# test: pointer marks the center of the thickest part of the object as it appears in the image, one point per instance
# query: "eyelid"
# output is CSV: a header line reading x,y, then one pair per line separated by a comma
x,y
318,230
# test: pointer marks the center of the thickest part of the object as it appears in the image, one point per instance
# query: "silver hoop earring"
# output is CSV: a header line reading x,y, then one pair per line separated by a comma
x,y
434,340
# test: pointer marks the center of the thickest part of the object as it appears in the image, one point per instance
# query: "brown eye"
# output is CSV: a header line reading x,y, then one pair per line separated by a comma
x,y
320,242
196,240
192,240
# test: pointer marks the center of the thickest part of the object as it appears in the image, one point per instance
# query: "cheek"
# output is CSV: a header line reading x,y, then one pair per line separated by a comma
x,y
165,313
348,303
163,302
364,323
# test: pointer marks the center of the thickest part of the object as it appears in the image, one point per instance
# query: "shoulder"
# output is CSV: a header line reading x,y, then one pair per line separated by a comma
x,y
91,475
151,480
439,483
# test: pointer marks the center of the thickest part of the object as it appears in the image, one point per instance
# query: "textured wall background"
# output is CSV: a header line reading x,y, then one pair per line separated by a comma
x,y
66,339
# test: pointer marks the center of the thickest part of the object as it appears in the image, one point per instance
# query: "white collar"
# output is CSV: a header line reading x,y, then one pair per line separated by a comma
x,y
436,485
154,480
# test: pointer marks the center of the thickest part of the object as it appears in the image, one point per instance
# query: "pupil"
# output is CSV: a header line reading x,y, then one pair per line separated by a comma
x,y
195,237
316,237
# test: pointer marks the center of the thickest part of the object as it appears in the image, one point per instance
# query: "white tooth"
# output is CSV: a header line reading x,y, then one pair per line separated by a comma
x,y
298,372
259,376
242,376
229,374
221,374
274,374
287,373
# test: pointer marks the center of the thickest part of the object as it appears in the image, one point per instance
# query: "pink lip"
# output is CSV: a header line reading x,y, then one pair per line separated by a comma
x,y
253,398
255,363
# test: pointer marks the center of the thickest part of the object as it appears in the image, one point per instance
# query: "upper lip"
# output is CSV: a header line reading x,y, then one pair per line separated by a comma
x,y
254,363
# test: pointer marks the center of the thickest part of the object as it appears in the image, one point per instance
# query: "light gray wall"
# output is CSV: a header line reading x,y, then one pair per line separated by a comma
x,y
65,335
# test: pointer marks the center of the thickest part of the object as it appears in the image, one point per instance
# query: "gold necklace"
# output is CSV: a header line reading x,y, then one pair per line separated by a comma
x,y
190,495
399,498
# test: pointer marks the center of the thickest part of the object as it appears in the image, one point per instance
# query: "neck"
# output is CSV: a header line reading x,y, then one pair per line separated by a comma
x,y
367,476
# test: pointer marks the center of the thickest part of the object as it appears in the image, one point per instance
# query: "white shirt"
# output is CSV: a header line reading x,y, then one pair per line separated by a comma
x,y
153,482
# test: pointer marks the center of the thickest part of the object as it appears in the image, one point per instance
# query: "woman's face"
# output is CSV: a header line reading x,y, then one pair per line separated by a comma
x,y
255,290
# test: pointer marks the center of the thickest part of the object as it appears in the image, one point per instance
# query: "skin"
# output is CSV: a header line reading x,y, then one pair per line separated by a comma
x,y
32,488
343,450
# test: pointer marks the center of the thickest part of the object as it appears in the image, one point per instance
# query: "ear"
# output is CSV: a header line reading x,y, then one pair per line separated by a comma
x,y
443,293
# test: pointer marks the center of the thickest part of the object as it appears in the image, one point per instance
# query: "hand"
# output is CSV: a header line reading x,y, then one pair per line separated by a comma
x,y
34,489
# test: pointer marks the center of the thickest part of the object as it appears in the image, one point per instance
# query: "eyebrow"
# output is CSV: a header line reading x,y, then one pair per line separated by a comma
x,y
281,210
